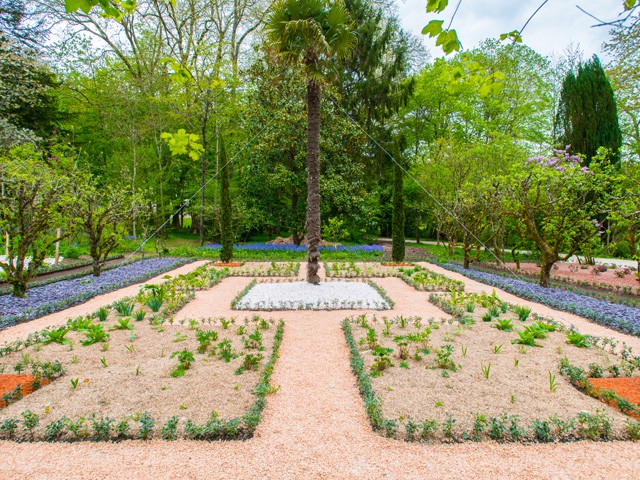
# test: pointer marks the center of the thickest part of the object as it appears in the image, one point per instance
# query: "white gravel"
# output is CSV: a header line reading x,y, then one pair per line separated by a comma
x,y
306,296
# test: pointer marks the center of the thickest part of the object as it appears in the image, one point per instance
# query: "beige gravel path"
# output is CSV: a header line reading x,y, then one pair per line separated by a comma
x,y
316,427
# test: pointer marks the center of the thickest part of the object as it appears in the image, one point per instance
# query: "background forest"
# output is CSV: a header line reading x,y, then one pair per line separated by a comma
x,y
125,119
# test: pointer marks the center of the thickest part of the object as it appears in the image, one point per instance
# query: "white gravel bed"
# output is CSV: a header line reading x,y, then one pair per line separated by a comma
x,y
306,296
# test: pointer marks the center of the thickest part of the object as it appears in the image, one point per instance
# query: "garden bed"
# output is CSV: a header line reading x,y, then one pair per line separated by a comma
x,y
61,294
620,317
464,379
130,371
266,269
331,295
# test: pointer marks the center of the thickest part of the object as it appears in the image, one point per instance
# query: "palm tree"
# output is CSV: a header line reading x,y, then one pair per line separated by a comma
x,y
315,33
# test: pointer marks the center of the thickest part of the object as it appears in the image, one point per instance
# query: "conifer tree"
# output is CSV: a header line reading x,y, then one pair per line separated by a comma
x,y
587,114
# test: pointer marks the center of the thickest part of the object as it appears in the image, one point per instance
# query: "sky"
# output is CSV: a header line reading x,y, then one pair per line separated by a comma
x,y
553,28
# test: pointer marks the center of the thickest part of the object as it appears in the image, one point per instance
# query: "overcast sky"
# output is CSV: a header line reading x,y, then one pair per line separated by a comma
x,y
556,25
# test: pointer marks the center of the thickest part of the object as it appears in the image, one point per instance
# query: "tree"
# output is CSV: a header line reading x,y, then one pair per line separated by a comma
x,y
100,212
315,33
587,114
398,244
624,71
35,201
226,253
553,204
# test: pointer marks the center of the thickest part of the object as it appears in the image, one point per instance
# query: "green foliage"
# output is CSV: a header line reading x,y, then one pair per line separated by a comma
x,y
577,339
398,247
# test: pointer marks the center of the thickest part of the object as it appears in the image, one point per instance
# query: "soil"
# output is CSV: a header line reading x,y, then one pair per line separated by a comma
x,y
421,391
315,426
576,273
628,388
9,382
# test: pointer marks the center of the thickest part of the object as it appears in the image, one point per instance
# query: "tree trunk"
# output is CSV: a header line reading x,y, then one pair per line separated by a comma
x,y
397,221
19,289
313,181
545,272
466,250
97,266
226,237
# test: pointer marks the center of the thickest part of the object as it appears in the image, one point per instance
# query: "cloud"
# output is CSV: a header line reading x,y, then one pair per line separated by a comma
x,y
557,25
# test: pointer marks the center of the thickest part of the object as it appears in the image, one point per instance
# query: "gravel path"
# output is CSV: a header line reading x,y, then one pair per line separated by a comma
x,y
315,426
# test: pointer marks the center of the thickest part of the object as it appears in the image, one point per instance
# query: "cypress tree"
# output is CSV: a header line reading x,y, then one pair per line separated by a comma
x,y
397,222
226,253
587,114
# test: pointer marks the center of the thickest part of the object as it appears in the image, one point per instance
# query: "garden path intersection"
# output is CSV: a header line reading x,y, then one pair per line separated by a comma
x,y
315,426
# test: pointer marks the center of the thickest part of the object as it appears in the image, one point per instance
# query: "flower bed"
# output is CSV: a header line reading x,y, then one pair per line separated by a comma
x,y
131,372
332,295
491,373
620,317
56,296
265,251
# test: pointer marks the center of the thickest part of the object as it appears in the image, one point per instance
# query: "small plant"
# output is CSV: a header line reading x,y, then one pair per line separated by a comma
x,y
577,339
56,336
123,323
147,422
103,362
225,351
250,362
185,358
525,337
594,426
470,307
494,311
95,334
516,362
225,323
371,338
632,428
74,383
169,430
447,428
382,360
464,350
30,421
139,315
155,303
403,347
487,317
553,386
522,312
179,337
123,308
486,371
595,371
503,324
497,348
205,338
443,358
101,314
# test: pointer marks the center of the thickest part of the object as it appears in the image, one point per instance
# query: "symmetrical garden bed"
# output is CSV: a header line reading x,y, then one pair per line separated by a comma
x,y
493,371
131,371
61,294
266,269
418,277
328,295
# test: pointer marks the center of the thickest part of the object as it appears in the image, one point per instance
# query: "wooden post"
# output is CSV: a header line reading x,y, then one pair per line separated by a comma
x,y
57,247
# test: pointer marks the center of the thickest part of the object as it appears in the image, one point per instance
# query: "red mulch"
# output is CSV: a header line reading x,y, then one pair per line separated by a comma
x,y
394,264
230,264
9,382
628,388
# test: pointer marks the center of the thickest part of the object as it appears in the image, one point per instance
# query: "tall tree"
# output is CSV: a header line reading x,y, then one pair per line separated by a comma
x,y
226,239
315,33
587,115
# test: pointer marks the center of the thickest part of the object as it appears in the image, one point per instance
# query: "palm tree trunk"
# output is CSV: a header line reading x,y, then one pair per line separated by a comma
x,y
313,181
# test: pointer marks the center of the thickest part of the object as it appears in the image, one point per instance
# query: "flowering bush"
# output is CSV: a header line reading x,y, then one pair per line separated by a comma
x,y
620,317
